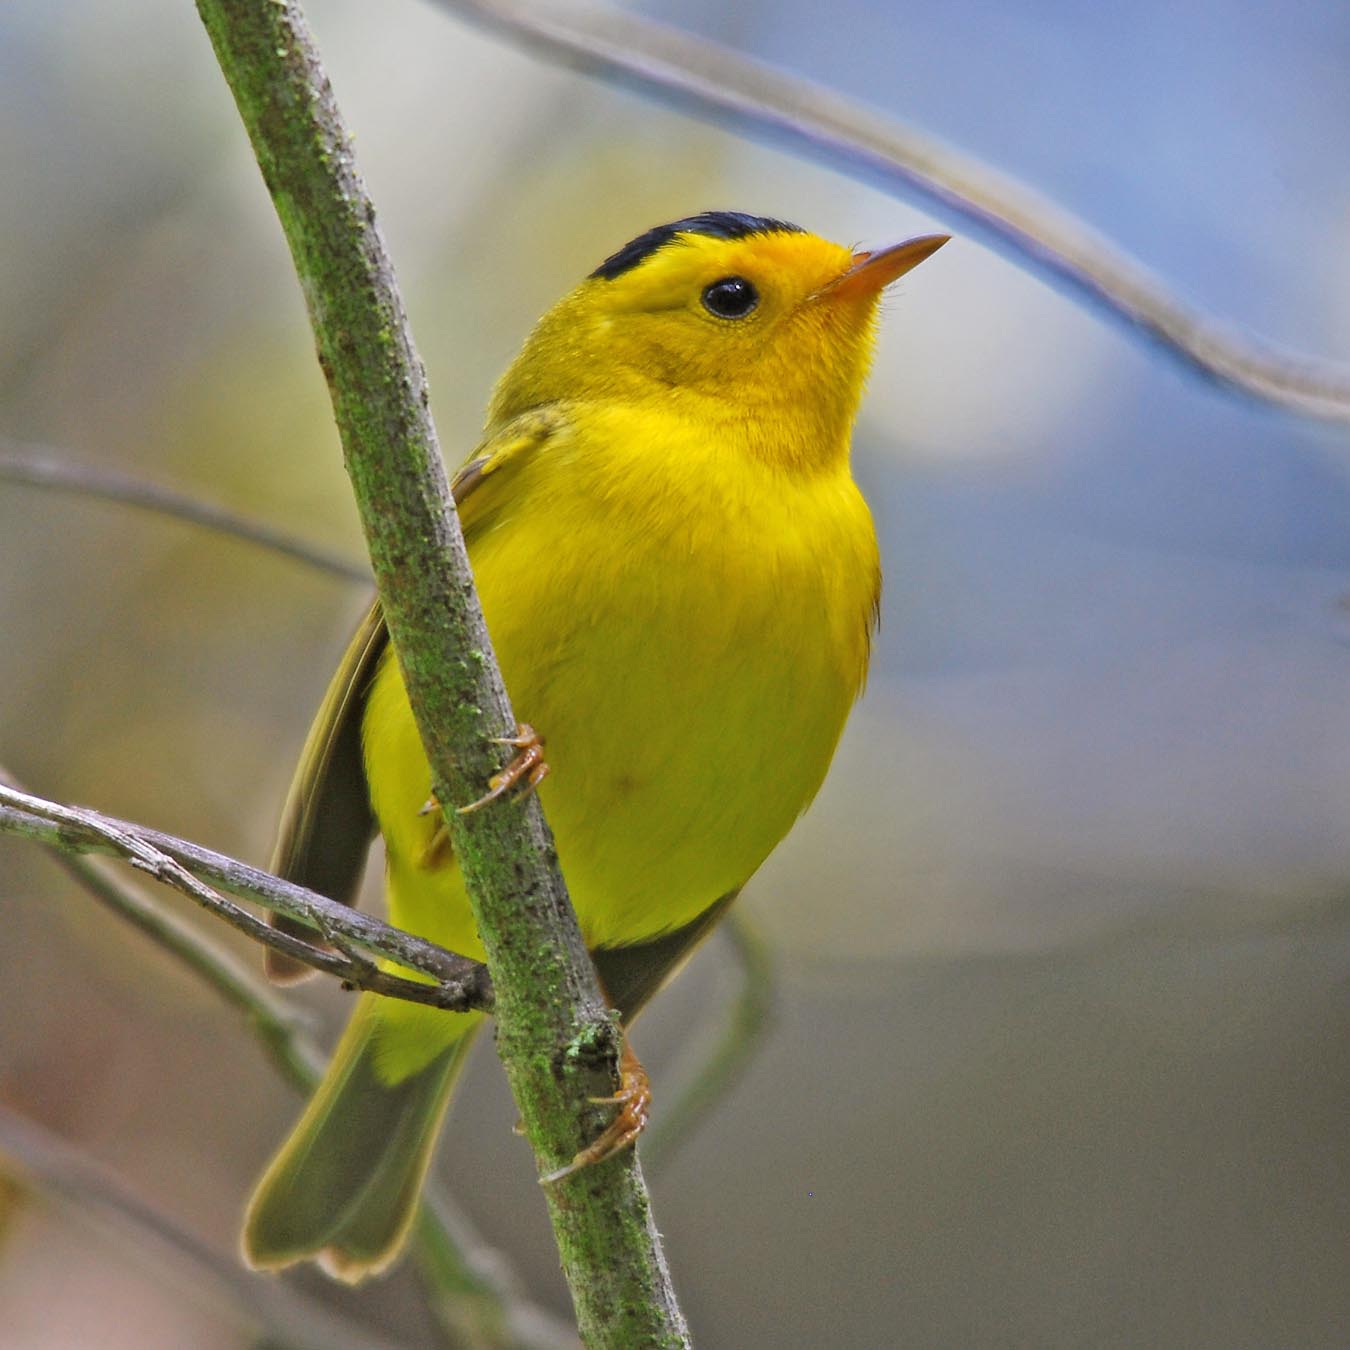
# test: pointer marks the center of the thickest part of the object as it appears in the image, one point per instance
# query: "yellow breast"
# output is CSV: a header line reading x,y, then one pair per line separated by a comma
x,y
688,643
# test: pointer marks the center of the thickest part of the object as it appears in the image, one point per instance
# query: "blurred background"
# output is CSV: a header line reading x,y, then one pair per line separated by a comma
x,y
1060,1056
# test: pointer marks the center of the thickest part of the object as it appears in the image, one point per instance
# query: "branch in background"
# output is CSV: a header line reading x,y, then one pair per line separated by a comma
x,y
43,466
271,1018
737,1044
474,1294
710,80
555,1037
455,982
292,1318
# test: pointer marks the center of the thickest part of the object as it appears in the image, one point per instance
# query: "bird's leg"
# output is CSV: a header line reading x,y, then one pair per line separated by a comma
x,y
634,1099
528,765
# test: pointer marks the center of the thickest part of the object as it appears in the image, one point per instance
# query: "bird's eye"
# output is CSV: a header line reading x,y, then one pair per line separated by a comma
x,y
730,298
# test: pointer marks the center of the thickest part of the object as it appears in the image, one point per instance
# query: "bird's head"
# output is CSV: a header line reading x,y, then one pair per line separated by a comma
x,y
735,319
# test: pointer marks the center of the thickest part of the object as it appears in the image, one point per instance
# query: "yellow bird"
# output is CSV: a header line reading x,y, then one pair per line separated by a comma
x,y
681,581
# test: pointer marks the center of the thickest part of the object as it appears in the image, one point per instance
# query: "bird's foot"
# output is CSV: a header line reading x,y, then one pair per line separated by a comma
x,y
528,766
634,1099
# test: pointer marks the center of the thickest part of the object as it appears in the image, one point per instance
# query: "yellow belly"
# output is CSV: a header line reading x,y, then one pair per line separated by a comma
x,y
689,658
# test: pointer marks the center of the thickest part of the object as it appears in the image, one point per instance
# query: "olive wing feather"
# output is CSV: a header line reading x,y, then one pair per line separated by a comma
x,y
327,824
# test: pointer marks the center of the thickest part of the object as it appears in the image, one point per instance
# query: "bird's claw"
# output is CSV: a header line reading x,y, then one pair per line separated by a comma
x,y
528,765
634,1100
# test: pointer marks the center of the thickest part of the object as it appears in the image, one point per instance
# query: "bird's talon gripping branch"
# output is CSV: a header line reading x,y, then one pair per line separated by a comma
x,y
634,1100
528,766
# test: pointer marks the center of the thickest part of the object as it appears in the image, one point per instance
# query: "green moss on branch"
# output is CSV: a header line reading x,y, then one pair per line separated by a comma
x,y
545,987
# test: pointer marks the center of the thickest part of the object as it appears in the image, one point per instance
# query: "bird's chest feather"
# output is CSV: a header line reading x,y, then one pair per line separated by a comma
x,y
688,647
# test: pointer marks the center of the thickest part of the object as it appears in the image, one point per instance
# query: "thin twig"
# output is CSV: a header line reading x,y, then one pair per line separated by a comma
x,y
469,1284
455,983
294,1319
710,80
738,1042
43,466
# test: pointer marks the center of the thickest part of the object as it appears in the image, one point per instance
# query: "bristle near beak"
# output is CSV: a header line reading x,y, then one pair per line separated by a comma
x,y
872,271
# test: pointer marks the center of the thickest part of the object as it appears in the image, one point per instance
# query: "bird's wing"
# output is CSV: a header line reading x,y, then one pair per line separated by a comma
x,y
505,450
327,824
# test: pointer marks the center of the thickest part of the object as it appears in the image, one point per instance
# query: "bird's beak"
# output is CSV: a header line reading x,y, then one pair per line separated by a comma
x,y
870,272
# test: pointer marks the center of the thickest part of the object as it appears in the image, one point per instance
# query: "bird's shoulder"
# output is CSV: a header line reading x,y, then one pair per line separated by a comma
x,y
507,447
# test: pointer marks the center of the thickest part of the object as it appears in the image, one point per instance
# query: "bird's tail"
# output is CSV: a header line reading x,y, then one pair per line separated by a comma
x,y
343,1188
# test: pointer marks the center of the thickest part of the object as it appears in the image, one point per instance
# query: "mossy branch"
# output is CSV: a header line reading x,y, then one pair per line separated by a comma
x,y
556,1038
208,878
